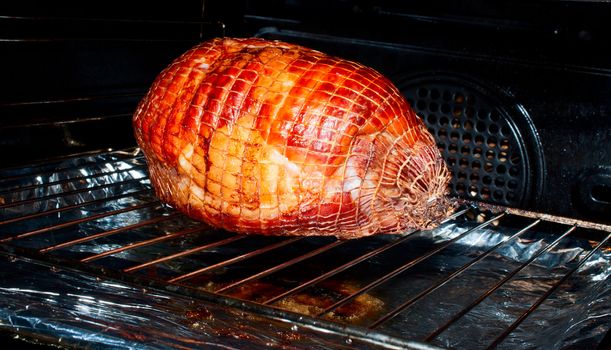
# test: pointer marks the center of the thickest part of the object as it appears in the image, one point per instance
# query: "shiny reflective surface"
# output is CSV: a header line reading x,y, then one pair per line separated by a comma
x,y
481,279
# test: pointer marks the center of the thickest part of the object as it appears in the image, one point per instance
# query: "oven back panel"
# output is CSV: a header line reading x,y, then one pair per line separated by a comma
x,y
73,75
517,96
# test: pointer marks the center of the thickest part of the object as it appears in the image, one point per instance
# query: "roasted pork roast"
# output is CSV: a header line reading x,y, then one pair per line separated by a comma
x,y
265,137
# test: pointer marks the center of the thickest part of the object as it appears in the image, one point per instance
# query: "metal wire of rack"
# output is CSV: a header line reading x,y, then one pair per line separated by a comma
x,y
99,213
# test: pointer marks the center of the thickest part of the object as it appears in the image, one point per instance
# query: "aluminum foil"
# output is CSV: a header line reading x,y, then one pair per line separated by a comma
x,y
40,301
576,315
76,310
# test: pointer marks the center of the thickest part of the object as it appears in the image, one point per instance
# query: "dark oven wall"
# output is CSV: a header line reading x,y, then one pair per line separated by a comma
x,y
517,95
73,72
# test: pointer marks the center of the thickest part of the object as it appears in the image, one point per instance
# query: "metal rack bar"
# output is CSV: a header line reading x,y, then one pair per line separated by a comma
x,y
134,154
282,266
107,19
546,295
353,262
72,206
110,232
397,310
184,253
155,223
151,241
340,268
18,188
79,221
235,259
109,39
559,219
82,119
409,264
500,283
69,193
311,254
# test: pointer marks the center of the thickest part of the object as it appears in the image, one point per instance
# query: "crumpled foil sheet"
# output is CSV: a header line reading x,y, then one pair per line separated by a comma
x,y
576,315
85,311
76,310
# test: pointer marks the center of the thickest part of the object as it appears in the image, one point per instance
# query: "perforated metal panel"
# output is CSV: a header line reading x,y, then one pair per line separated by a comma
x,y
478,139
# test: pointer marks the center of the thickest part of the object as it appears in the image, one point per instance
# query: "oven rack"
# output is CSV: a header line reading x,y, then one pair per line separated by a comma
x,y
97,213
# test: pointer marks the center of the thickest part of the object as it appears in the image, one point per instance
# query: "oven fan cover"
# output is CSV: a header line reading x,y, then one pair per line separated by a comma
x,y
490,146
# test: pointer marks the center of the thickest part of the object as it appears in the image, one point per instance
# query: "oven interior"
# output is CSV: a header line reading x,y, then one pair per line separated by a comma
x,y
516,96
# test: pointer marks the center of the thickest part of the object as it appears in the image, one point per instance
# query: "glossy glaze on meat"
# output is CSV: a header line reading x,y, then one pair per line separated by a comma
x,y
266,137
